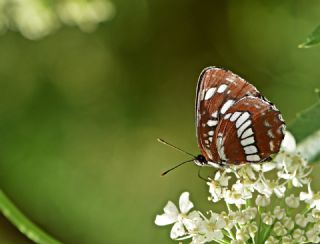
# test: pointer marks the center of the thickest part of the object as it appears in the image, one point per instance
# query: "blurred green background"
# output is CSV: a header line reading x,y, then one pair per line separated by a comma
x,y
80,112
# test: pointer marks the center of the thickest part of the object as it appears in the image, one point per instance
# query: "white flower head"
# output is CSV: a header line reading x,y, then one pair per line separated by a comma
x,y
172,215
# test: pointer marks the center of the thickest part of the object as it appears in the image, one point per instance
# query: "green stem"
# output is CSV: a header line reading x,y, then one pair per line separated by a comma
x,y
23,224
260,211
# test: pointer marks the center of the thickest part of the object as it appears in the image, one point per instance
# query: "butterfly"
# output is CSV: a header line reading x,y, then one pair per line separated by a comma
x,y
235,124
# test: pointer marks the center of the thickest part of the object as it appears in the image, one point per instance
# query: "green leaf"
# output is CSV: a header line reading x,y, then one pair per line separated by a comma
x,y
306,130
313,39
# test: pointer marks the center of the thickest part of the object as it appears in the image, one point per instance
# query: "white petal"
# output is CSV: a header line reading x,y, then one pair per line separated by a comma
x,y
184,203
165,219
215,235
268,166
177,230
289,143
305,196
171,209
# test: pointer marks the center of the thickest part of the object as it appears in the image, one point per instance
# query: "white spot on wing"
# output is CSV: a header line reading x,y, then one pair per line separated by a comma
x,y
280,117
283,128
226,106
266,123
215,114
270,134
210,93
271,144
231,79
227,116
247,133
222,88
254,158
212,122
222,154
250,149
247,141
242,119
274,108
235,116
243,127
211,133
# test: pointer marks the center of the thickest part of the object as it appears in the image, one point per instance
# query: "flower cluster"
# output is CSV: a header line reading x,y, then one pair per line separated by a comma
x,y
268,203
37,18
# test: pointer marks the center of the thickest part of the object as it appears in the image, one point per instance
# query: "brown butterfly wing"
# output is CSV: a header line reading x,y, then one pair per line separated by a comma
x,y
250,131
217,91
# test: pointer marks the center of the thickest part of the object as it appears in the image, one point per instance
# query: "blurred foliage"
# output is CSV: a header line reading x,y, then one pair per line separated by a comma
x,y
313,39
306,130
306,123
38,18
79,113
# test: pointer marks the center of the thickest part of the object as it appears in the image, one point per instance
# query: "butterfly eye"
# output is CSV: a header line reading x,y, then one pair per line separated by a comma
x,y
235,124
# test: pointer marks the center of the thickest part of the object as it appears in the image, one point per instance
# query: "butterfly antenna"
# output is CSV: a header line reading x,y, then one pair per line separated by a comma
x,y
167,171
174,147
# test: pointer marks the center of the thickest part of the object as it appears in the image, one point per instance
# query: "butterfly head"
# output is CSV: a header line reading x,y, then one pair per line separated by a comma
x,y
200,160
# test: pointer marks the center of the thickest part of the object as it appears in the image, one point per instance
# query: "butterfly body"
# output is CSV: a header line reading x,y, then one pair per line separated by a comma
x,y
235,124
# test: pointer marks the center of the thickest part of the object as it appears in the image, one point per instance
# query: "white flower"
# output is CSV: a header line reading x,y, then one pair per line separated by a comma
x,y
292,201
311,198
238,217
171,215
301,220
295,169
287,240
288,223
246,172
298,235
237,242
252,229
222,178
278,212
233,197
262,201
267,187
242,234
267,218
252,193
250,213
210,229
271,240
289,143
313,235
279,229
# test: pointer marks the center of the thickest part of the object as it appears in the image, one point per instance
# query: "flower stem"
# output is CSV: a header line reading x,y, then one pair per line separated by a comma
x,y
22,223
